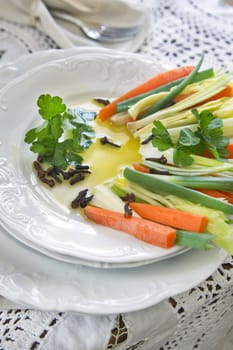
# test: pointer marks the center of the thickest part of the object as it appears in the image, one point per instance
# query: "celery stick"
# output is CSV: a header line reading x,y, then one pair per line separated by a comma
x,y
193,239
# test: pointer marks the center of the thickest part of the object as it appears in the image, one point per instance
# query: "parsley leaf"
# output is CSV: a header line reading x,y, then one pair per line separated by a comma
x,y
50,106
182,157
161,137
208,136
62,136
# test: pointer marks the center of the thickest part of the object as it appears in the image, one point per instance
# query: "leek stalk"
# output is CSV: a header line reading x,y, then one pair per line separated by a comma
x,y
124,105
160,186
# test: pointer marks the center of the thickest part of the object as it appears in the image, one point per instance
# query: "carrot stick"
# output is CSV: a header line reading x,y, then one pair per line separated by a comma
x,y
171,217
160,79
145,230
142,168
212,193
227,92
218,194
230,150
181,97
228,196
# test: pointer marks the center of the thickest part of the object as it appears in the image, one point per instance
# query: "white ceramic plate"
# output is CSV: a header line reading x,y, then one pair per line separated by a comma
x,y
27,209
12,69
34,280
16,68
91,263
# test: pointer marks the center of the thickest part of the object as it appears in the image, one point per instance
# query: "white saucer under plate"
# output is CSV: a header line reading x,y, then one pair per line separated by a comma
x,y
33,280
29,210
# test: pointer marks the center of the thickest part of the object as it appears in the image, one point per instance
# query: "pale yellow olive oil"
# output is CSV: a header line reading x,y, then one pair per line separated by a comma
x,y
105,161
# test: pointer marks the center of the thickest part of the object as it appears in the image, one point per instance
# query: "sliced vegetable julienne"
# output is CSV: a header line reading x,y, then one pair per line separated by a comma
x,y
146,102
208,136
145,230
148,196
223,183
125,104
194,240
119,119
183,238
175,132
228,196
221,108
157,185
171,217
201,165
217,221
140,194
103,197
156,81
189,171
214,86
174,92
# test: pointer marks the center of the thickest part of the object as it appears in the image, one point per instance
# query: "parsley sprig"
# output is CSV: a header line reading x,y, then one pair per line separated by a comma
x,y
207,137
63,135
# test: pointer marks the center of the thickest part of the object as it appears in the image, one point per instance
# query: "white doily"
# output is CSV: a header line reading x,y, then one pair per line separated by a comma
x,y
17,40
198,319
183,29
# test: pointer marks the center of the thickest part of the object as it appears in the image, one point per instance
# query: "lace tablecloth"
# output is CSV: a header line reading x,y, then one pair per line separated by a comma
x,y
197,319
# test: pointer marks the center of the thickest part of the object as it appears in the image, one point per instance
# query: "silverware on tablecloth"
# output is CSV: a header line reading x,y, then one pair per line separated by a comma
x,y
100,32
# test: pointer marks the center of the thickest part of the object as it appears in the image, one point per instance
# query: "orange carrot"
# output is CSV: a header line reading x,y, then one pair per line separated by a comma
x,y
171,217
181,97
145,230
226,92
212,193
228,196
129,119
218,194
142,168
229,148
160,79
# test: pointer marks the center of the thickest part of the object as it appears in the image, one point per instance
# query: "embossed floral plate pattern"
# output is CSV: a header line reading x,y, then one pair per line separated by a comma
x,y
27,209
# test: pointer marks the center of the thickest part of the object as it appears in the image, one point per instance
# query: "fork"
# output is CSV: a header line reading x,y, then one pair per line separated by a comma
x,y
100,32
